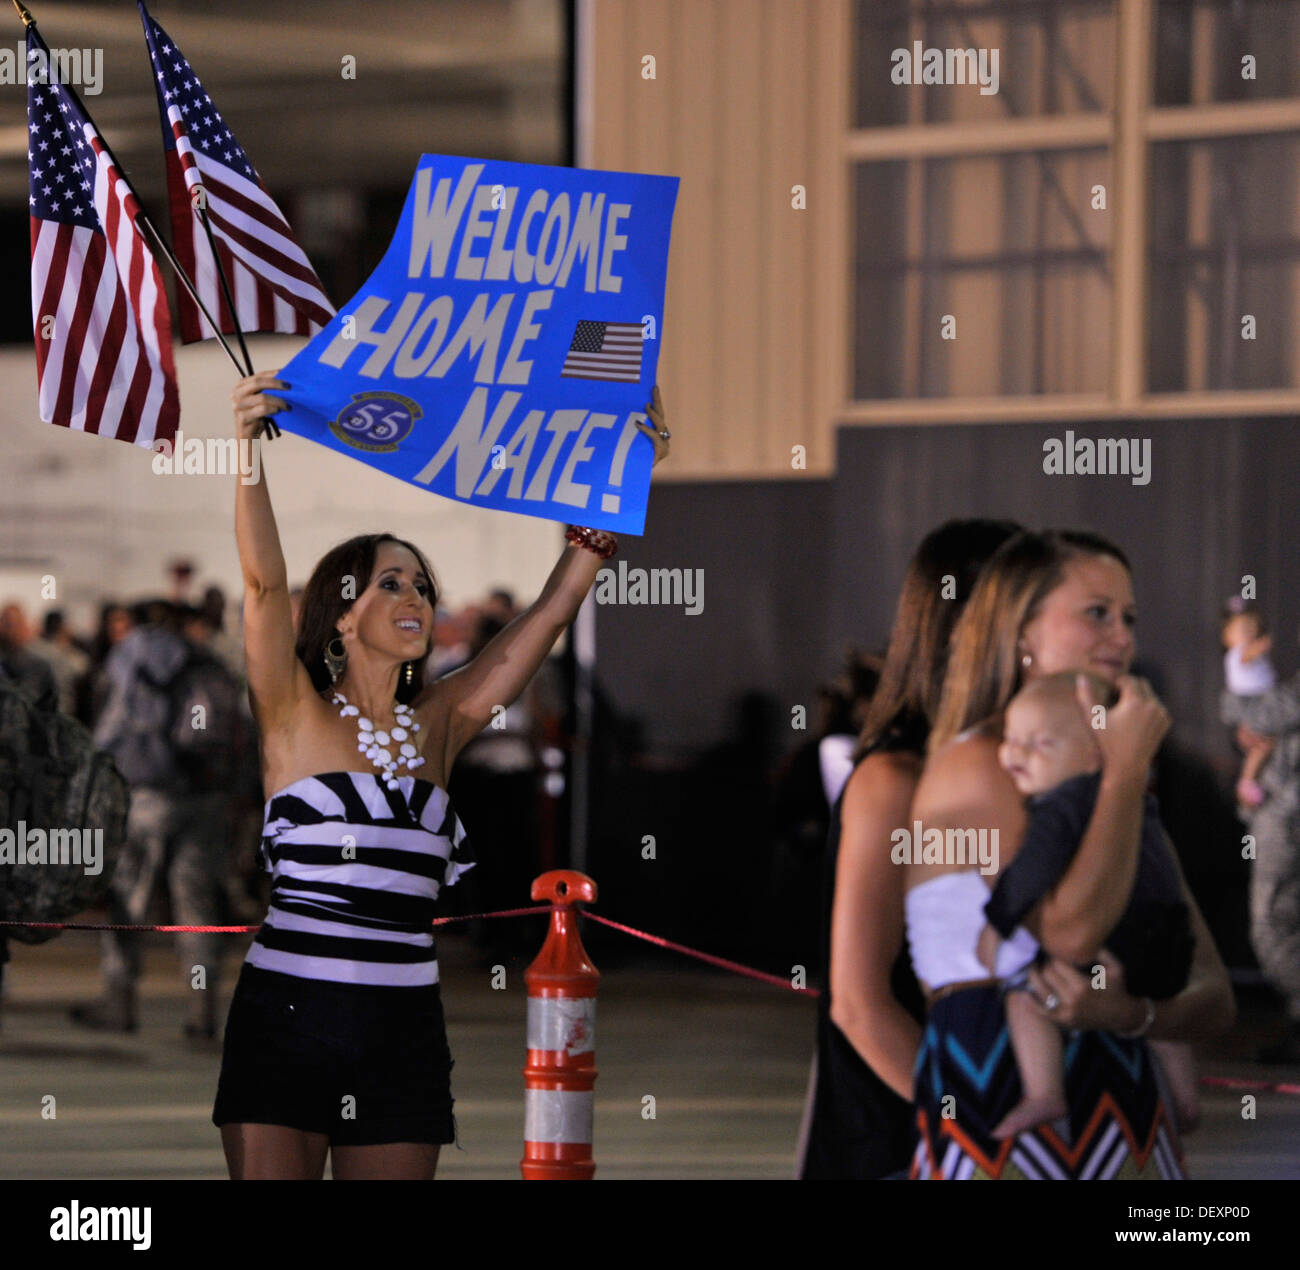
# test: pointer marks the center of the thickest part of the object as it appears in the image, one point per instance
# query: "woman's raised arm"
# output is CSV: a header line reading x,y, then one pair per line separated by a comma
x,y
867,920
1073,921
276,678
495,678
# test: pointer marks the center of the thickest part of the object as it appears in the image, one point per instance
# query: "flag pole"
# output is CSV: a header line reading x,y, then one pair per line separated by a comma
x,y
202,213
142,220
267,425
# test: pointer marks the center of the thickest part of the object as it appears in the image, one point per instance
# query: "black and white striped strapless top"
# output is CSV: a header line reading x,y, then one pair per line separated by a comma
x,y
356,871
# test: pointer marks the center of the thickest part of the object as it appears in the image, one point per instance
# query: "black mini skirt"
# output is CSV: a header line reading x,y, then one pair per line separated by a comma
x,y
365,1065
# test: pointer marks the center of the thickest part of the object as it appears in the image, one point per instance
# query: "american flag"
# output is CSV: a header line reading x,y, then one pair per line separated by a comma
x,y
605,350
99,311
274,285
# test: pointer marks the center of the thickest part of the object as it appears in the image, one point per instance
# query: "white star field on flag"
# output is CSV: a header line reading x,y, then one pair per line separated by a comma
x,y
273,284
206,129
61,163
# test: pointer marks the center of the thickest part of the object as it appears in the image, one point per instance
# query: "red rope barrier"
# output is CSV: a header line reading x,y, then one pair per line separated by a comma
x,y
1264,1086
1225,1082
734,966
1222,1082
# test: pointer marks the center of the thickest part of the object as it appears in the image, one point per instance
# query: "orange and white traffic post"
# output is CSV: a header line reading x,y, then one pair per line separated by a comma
x,y
560,1074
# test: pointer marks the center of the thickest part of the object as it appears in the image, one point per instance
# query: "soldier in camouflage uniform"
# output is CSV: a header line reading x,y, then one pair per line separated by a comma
x,y
1275,872
179,824
34,676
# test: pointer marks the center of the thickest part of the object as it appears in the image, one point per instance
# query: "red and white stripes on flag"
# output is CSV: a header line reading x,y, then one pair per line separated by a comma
x,y
99,311
273,283
245,240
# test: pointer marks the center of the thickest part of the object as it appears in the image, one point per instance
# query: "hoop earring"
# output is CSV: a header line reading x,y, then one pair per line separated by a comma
x,y
336,663
410,673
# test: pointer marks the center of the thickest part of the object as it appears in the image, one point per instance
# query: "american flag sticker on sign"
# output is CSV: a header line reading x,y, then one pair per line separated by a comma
x,y
605,350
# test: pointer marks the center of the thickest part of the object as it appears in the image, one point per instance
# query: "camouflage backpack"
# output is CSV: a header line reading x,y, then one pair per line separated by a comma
x,y
53,780
206,756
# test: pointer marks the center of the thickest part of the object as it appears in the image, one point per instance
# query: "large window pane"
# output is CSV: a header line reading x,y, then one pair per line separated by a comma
x,y
1009,246
1200,45
1054,57
1225,263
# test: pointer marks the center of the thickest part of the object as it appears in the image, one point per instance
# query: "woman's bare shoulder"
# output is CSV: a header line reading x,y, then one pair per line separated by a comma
x,y
887,764
884,772
973,750
962,773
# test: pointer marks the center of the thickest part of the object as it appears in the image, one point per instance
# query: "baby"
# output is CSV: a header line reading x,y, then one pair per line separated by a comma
x,y
1050,752
1249,673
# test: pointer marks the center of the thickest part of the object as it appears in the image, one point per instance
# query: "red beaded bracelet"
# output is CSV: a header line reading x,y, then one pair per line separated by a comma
x,y
597,540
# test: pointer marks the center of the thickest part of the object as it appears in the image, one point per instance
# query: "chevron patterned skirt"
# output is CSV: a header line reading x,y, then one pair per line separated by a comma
x,y
967,1080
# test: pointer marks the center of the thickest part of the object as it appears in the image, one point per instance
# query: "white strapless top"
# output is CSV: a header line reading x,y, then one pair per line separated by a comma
x,y
944,919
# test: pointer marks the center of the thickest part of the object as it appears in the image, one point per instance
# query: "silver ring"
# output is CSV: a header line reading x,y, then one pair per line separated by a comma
x,y
1052,1001
663,432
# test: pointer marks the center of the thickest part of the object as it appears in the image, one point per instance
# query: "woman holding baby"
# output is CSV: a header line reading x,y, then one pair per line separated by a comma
x,y
1045,604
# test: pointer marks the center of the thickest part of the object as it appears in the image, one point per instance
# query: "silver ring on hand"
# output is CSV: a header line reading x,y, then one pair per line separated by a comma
x,y
1052,1001
663,432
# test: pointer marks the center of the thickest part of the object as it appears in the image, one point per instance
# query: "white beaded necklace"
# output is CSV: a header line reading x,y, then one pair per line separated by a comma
x,y
373,742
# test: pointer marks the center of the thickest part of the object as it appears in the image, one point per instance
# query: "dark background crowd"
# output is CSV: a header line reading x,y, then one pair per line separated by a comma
x,y
739,826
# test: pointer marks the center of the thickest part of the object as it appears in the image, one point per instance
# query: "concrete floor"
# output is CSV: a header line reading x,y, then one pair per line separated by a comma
x,y
725,1058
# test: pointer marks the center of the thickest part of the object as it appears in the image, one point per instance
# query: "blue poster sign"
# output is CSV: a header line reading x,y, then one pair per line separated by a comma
x,y
505,348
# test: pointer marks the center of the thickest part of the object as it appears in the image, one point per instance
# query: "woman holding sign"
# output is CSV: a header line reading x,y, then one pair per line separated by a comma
x,y
336,1040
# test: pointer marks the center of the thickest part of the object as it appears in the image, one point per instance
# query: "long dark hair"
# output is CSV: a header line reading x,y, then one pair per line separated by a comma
x,y
939,580
323,604
984,671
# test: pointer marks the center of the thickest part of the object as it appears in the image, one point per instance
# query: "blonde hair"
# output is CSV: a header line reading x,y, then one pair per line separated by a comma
x,y
911,679
984,670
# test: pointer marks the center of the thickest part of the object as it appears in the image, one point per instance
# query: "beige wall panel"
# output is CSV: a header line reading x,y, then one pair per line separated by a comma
x,y
616,74
784,415
696,347
743,107
830,330
741,257
650,31
689,243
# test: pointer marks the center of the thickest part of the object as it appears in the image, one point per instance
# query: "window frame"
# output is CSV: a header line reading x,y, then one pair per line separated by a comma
x,y
1128,133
